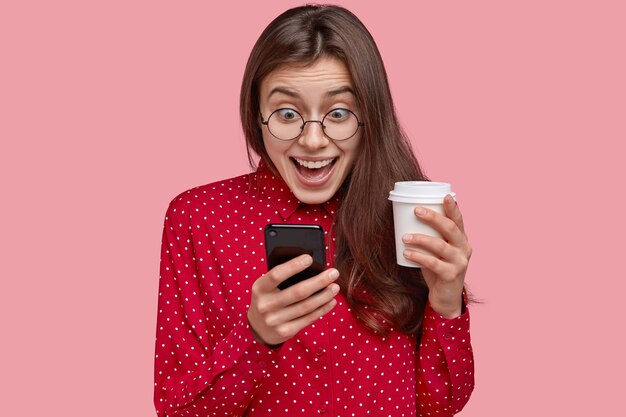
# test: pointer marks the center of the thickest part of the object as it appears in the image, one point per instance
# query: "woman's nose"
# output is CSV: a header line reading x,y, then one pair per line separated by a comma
x,y
313,135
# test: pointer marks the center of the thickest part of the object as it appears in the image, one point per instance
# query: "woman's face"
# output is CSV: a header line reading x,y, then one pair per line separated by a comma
x,y
313,166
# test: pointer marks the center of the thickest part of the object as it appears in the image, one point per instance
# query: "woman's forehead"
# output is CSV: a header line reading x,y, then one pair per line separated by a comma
x,y
324,75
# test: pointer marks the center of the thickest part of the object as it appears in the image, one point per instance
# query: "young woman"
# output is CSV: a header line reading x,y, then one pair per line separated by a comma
x,y
364,337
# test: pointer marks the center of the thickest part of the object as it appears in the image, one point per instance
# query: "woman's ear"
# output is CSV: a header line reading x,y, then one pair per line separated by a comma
x,y
260,119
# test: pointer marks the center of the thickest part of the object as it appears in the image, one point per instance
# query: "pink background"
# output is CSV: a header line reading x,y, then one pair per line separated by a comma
x,y
109,109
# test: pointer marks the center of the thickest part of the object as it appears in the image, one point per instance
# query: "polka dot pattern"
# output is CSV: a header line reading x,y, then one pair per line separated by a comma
x,y
207,362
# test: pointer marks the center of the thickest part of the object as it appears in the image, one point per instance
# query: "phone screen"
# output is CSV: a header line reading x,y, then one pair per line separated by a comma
x,y
284,242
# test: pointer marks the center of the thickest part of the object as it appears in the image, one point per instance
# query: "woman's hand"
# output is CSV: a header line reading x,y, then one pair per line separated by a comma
x,y
444,269
275,316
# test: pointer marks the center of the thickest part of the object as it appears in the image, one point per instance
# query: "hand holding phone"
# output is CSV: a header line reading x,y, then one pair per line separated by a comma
x,y
277,315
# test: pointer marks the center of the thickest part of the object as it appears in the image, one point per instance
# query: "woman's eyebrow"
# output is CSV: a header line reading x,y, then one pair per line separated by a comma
x,y
340,90
282,90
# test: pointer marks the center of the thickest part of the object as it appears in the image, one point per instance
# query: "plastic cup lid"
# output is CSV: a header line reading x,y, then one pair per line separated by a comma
x,y
426,192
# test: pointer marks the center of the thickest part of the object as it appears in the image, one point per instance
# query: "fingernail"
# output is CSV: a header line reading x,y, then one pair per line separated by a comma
x,y
333,274
449,199
420,211
333,303
407,238
407,253
334,288
306,260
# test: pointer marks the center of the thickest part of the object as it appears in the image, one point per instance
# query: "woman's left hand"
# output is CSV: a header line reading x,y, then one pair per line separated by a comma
x,y
444,269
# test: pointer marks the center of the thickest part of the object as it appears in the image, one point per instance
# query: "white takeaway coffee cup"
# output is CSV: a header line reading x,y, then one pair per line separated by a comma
x,y
406,196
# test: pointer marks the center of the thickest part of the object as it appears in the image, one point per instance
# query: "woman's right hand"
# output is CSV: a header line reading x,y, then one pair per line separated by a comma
x,y
275,316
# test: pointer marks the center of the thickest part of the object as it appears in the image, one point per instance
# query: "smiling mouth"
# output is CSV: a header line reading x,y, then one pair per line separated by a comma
x,y
314,172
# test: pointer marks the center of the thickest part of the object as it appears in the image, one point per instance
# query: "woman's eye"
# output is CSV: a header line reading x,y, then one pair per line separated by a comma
x,y
338,114
287,114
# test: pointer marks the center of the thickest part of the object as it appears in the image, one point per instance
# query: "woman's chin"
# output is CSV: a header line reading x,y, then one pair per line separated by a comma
x,y
316,196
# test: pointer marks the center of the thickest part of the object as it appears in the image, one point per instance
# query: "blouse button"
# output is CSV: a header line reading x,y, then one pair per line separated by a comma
x,y
320,351
448,336
323,409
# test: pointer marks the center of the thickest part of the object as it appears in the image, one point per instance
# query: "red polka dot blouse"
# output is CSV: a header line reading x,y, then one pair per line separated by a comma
x,y
207,362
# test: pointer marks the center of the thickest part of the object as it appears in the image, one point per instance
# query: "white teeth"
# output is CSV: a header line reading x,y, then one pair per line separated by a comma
x,y
314,165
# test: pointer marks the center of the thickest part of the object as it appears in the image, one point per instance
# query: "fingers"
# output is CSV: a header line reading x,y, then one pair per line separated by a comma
x,y
447,256
306,288
274,300
275,316
302,311
430,262
434,245
449,225
292,328
451,264
280,273
440,253
453,212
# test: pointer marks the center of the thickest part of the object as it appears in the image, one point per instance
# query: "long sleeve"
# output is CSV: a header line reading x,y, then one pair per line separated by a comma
x,y
445,376
198,369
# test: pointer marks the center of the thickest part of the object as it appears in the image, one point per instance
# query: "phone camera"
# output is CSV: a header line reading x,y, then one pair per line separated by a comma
x,y
273,233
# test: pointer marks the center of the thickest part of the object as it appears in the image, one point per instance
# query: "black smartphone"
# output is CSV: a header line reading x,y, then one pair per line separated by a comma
x,y
284,242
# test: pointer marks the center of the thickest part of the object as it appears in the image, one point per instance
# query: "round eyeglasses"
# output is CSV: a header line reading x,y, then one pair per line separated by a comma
x,y
288,124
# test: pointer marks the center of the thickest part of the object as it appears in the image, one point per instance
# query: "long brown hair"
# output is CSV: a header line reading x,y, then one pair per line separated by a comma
x,y
381,293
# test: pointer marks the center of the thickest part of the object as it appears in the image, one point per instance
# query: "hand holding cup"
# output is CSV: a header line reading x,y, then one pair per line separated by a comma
x,y
430,234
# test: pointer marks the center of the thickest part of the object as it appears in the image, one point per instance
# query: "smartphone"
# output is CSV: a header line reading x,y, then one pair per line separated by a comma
x,y
284,242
